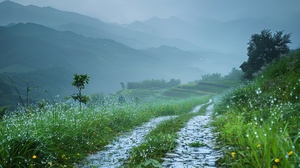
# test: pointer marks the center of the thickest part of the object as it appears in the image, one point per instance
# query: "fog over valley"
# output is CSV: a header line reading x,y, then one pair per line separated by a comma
x,y
114,41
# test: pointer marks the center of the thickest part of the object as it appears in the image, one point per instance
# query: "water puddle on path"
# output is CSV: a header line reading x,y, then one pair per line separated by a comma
x,y
115,153
196,131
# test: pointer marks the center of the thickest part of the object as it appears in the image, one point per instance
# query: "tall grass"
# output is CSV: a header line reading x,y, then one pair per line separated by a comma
x,y
60,135
259,123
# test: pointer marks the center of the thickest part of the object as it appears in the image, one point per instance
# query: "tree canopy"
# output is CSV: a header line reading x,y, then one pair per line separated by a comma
x,y
263,49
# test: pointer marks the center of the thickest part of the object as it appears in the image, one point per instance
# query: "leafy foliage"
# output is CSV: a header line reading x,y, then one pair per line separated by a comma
x,y
79,82
263,49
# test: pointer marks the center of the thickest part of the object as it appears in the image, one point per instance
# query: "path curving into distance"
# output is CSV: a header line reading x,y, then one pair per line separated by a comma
x,y
118,151
196,130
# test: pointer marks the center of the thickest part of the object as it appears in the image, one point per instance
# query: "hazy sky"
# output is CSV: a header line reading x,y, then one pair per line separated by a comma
x,y
126,11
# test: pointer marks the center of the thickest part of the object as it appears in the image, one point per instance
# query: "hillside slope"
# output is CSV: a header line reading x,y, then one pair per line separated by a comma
x,y
260,120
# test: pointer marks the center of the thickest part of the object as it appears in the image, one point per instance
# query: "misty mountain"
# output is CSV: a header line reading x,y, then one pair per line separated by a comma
x,y
159,31
48,58
231,36
51,45
11,12
200,34
171,27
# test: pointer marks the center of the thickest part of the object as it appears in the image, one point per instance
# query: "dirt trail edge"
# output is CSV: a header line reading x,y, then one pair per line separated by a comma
x,y
196,131
115,153
118,151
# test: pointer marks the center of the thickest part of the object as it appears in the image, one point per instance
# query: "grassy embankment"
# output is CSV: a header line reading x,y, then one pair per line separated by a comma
x,y
202,88
259,122
60,135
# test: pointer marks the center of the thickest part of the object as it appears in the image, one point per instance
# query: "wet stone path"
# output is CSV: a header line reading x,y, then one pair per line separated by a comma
x,y
198,131
115,153
184,156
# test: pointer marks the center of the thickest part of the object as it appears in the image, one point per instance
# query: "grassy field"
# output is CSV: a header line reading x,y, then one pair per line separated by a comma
x,y
259,122
60,134
179,92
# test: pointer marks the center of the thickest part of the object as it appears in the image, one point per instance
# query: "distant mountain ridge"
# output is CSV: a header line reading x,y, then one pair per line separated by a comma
x,y
48,16
229,36
11,12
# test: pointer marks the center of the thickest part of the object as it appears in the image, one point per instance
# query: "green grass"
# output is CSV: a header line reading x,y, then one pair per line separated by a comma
x,y
179,92
183,93
141,93
61,135
259,123
197,144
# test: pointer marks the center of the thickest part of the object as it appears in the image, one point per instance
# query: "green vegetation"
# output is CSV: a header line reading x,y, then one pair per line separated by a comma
x,y
210,84
263,49
178,92
197,144
79,82
61,135
259,121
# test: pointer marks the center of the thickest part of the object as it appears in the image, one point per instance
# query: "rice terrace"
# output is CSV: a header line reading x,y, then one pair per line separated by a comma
x,y
109,84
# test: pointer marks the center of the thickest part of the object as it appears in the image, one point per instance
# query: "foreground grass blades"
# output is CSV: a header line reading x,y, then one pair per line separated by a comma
x,y
60,135
259,123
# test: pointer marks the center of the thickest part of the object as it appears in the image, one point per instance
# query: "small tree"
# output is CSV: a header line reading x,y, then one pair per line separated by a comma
x,y
263,49
123,85
79,82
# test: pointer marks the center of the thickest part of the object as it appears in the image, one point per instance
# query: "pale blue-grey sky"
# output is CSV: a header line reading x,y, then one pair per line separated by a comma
x,y
126,11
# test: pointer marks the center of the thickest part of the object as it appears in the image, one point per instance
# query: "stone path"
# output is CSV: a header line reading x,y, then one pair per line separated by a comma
x,y
185,156
196,130
115,153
